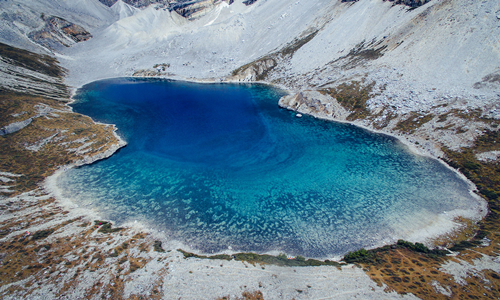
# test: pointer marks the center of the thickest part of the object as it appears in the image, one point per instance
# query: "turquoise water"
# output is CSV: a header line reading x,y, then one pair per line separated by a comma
x,y
218,165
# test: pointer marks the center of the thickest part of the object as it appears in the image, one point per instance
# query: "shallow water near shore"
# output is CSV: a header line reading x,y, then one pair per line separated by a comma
x,y
219,165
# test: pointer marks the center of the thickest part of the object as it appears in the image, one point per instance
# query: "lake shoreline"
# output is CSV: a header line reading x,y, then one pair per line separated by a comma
x,y
445,225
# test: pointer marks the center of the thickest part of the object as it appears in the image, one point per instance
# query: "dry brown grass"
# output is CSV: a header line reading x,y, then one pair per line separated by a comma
x,y
44,64
409,272
405,271
352,96
246,295
25,258
413,122
56,133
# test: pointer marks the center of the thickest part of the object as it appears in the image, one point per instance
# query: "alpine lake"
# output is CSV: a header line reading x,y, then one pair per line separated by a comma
x,y
218,166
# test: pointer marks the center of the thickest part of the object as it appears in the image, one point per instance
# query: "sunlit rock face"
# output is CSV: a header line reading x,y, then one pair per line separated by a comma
x,y
195,9
59,32
410,3
190,9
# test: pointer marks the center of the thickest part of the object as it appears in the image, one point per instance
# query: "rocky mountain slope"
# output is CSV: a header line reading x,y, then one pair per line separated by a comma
x,y
435,58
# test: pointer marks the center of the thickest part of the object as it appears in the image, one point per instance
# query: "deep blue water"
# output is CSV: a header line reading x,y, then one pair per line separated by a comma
x,y
218,165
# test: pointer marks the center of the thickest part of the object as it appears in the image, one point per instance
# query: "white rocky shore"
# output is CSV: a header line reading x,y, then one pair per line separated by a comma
x,y
436,59
174,277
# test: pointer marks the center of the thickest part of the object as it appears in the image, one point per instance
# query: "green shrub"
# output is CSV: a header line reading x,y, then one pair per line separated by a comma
x,y
157,246
356,255
42,234
106,227
282,256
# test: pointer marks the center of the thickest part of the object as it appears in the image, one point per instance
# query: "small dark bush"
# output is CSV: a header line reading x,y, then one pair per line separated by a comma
x,y
356,256
464,245
157,246
471,165
106,227
41,234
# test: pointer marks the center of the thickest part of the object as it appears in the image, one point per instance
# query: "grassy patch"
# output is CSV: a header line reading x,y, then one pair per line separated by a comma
x,y
486,176
370,256
254,258
47,135
413,122
442,117
489,141
352,96
39,63
474,115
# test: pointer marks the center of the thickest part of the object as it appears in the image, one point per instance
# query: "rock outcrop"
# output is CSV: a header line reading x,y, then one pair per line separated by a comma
x,y
490,81
255,71
14,127
410,3
194,9
315,103
249,2
59,32
108,2
190,9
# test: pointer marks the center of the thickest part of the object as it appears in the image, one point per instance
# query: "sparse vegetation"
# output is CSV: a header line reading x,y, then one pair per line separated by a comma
x,y
264,65
360,54
246,295
405,267
370,256
296,44
486,176
410,270
44,64
161,67
352,96
41,234
254,258
16,157
413,122
157,246
382,122
105,227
